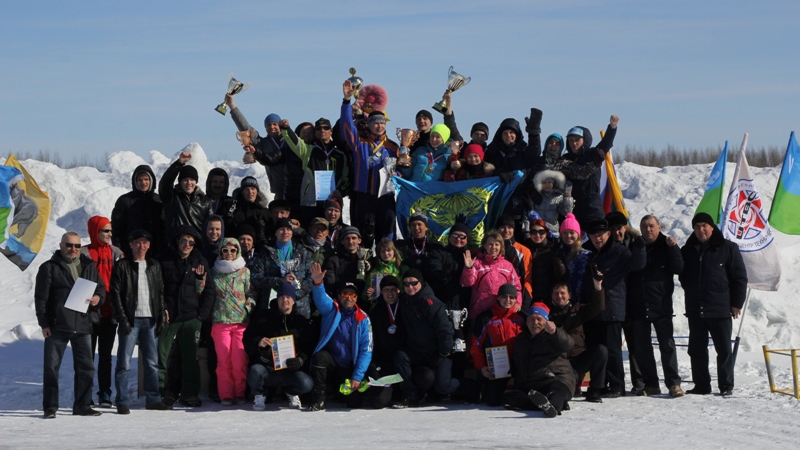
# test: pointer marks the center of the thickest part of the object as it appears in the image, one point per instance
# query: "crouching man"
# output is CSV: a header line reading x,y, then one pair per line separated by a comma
x,y
280,319
543,377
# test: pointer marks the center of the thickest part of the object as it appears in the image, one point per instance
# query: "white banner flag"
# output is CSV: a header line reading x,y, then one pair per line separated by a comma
x,y
746,224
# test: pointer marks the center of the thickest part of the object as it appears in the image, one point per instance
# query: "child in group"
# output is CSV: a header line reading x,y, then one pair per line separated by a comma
x,y
551,201
387,262
471,167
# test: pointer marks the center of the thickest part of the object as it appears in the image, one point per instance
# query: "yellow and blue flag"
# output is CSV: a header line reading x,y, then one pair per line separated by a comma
x,y
24,213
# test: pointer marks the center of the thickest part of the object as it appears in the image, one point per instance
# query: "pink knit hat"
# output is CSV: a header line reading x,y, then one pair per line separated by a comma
x,y
569,223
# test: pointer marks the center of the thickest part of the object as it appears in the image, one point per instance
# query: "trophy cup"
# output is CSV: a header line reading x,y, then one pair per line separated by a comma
x,y
234,87
458,317
357,83
455,82
407,137
363,262
246,139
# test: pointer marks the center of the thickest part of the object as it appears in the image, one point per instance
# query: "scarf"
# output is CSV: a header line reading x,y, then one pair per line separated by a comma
x,y
284,250
223,266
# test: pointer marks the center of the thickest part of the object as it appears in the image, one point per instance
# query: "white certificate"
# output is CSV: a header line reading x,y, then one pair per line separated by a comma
x,y
282,349
324,184
376,284
80,294
497,359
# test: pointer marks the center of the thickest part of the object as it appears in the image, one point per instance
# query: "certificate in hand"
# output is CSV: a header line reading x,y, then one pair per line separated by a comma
x,y
80,294
282,349
324,184
499,364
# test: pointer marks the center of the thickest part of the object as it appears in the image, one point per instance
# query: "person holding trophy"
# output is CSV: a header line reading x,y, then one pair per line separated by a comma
x,y
429,161
371,153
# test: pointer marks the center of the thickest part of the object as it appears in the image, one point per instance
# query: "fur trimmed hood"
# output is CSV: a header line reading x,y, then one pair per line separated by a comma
x,y
539,178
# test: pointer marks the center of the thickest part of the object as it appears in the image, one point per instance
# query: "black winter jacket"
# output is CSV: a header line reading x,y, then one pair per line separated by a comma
x,y
714,277
386,344
650,289
409,255
546,269
181,299
124,291
237,211
586,192
272,323
138,210
540,359
53,285
444,275
341,268
430,332
614,261
573,315
181,208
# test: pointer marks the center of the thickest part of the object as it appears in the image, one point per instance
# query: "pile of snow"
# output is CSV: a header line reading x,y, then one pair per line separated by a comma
x,y
672,194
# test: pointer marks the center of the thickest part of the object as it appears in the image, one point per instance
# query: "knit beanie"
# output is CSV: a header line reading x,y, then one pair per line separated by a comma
x,y
287,288
442,130
333,203
458,226
272,118
187,172
390,280
350,230
474,148
424,113
245,229
570,223
540,309
507,289
480,126
703,218
249,182
283,223
414,273
376,117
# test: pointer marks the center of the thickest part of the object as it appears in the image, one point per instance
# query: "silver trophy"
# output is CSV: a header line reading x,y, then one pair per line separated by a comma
x,y
455,81
458,317
290,266
364,254
234,87
357,84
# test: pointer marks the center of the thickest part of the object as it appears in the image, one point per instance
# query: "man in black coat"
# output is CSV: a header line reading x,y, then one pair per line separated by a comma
x,y
349,261
614,261
445,266
650,305
217,186
139,310
61,325
417,250
543,377
588,206
281,319
248,206
184,203
714,279
182,266
140,208
429,343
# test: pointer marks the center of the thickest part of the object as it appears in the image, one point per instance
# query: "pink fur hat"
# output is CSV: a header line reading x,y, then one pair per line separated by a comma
x,y
373,98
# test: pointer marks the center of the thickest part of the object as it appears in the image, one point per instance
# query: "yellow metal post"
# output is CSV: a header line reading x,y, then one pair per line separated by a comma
x,y
794,373
769,368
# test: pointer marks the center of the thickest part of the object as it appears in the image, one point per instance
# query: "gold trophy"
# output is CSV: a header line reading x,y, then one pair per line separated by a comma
x,y
357,83
407,138
246,139
455,81
234,87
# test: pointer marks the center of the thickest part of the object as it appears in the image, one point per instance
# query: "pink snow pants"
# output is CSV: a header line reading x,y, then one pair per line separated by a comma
x,y
231,359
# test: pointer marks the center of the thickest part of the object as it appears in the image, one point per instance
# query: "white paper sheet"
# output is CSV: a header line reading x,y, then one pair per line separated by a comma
x,y
282,349
324,184
497,358
80,294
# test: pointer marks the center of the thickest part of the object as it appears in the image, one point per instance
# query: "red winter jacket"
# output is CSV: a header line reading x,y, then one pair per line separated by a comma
x,y
494,328
104,256
485,277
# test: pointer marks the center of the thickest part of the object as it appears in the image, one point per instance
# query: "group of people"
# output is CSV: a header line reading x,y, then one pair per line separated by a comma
x,y
288,298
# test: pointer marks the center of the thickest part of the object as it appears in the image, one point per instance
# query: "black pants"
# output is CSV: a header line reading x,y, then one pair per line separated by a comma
x,y
324,369
594,360
82,361
637,379
492,389
666,345
720,331
103,336
557,394
407,363
373,213
610,335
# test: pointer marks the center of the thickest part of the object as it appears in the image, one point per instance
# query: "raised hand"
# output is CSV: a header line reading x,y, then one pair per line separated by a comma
x,y
184,157
550,327
614,121
671,241
229,101
317,274
468,259
347,89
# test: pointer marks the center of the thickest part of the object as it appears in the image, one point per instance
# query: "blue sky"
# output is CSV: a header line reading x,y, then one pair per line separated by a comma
x,y
84,78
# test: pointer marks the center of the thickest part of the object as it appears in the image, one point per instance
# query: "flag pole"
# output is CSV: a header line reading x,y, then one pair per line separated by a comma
x,y
741,322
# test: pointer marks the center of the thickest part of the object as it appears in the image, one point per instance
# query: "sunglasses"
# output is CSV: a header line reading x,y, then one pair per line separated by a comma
x,y
105,231
68,245
410,283
460,237
349,295
323,128
539,232
185,241
225,251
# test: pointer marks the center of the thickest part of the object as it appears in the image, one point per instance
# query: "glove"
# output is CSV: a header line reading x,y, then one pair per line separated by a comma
x,y
533,125
125,326
294,363
507,177
460,218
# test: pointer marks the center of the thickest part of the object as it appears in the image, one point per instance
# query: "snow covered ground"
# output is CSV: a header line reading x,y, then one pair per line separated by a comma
x,y
752,416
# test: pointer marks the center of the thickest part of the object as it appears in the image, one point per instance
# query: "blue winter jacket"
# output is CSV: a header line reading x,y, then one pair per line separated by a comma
x,y
361,333
419,162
